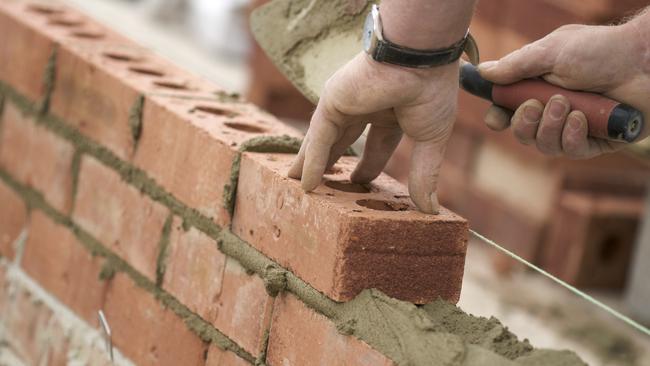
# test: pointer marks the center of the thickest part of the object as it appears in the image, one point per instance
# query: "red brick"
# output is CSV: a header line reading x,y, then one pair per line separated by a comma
x,y
55,259
190,151
33,331
244,308
119,216
235,302
341,247
300,336
591,239
13,215
219,357
37,157
26,55
194,266
147,332
30,34
101,113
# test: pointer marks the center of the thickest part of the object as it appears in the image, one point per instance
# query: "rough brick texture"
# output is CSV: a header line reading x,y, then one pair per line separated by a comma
x,y
145,331
217,288
13,216
59,263
320,343
120,216
107,142
188,147
36,157
341,242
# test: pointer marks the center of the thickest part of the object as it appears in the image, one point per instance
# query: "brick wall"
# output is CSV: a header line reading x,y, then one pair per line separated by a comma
x,y
133,187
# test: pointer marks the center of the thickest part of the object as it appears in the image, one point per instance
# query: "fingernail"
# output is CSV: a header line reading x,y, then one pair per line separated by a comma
x,y
575,123
487,65
435,205
532,114
558,109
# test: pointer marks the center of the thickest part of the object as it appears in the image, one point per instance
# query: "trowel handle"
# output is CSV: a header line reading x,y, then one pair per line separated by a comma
x,y
607,118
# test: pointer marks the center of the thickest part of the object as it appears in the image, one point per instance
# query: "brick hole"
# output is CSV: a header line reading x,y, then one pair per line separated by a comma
x,y
245,127
88,34
44,9
380,205
401,196
119,56
276,232
334,170
171,85
347,186
216,111
63,22
146,71
609,247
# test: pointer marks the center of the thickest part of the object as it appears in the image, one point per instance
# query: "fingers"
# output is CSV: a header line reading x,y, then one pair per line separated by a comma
x,y
350,135
324,133
530,61
549,132
497,118
526,120
423,179
575,141
295,171
380,145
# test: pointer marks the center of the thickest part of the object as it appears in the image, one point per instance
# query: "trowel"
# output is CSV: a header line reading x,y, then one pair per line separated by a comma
x,y
308,40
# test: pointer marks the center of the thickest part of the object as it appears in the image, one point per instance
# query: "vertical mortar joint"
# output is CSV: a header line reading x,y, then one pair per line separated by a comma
x,y
49,77
135,119
275,279
163,249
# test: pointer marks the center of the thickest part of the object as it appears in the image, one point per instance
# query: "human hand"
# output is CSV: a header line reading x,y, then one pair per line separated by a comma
x,y
418,102
611,60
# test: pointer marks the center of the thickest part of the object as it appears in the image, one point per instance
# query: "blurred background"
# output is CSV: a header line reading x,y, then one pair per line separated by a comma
x,y
583,221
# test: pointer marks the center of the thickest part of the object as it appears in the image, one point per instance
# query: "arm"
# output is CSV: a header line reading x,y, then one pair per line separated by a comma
x,y
418,102
612,60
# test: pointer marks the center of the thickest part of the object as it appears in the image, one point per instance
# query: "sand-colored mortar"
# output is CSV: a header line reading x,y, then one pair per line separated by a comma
x,y
434,334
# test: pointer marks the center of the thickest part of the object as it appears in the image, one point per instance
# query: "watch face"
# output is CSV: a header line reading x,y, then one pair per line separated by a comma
x,y
368,33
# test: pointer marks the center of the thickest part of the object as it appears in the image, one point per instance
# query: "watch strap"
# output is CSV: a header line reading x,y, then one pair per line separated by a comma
x,y
391,53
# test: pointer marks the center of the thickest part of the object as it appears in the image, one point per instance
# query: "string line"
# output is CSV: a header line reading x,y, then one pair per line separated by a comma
x,y
569,287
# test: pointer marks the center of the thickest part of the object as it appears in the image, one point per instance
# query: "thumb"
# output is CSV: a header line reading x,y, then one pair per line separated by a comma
x,y
530,61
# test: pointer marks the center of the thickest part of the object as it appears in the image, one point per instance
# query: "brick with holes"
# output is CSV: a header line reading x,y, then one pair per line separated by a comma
x,y
36,157
343,238
146,331
119,216
29,34
234,301
300,336
13,217
63,266
188,147
591,239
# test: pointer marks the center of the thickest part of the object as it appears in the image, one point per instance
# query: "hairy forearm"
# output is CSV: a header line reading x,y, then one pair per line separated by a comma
x,y
426,24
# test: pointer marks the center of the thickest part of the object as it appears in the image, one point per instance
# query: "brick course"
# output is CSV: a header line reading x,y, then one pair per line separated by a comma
x,y
319,341
145,331
13,216
36,157
58,262
338,245
117,214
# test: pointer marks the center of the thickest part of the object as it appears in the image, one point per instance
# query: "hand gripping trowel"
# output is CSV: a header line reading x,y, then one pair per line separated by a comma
x,y
308,40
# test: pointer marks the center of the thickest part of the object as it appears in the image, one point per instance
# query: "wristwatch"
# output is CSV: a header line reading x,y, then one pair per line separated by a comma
x,y
383,50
